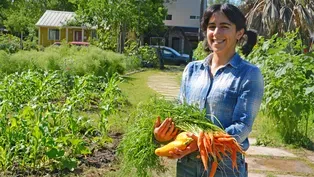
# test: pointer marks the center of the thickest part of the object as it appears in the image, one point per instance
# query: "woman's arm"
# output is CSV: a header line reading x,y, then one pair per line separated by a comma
x,y
248,104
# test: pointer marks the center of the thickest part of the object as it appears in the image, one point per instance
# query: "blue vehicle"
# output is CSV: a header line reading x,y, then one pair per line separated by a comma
x,y
170,56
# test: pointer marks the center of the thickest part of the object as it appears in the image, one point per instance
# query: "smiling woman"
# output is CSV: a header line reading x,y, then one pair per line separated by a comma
x,y
229,88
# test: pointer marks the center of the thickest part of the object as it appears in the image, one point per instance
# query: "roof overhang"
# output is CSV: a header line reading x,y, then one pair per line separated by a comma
x,y
72,27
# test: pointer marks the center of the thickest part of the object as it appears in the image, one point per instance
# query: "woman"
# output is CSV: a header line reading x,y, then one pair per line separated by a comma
x,y
224,84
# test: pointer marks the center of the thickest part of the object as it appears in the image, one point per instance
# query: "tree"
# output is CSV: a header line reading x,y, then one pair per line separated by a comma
x,y
4,4
278,16
20,16
120,16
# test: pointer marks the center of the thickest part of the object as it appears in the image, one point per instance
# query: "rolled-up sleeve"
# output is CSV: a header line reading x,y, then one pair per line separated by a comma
x,y
247,106
185,75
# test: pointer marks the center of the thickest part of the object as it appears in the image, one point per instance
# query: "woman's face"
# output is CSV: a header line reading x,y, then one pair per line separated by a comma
x,y
221,33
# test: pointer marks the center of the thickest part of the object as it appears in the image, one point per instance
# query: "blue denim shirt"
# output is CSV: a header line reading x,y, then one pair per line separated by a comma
x,y
233,95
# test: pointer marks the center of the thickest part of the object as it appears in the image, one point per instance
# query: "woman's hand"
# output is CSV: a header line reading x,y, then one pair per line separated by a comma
x,y
165,131
178,154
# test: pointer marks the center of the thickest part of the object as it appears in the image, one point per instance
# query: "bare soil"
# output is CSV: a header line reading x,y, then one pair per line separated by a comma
x,y
96,164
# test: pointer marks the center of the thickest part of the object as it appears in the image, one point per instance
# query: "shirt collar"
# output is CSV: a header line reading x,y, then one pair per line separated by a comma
x,y
234,62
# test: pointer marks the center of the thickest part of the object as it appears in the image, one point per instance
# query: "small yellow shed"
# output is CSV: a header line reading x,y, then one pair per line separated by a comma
x,y
53,27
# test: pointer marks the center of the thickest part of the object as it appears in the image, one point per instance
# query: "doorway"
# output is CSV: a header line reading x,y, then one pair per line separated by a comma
x,y
78,36
176,44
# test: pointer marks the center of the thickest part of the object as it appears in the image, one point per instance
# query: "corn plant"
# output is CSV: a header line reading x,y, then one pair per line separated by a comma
x,y
41,125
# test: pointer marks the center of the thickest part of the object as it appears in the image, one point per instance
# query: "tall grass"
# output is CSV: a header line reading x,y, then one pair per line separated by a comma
x,y
74,60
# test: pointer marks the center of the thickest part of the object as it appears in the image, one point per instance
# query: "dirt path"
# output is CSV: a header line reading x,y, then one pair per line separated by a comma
x,y
165,84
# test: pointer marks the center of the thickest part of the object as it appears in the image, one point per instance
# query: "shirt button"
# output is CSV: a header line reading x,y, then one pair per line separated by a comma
x,y
203,98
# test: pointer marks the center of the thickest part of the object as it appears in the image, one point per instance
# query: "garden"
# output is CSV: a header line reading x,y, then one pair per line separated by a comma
x,y
64,110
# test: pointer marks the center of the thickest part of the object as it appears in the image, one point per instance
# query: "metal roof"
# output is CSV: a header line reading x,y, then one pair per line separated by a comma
x,y
55,18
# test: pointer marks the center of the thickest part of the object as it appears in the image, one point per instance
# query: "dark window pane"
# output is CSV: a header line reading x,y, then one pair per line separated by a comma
x,y
169,17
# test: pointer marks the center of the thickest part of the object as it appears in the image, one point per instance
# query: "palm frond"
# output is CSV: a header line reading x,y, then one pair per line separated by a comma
x,y
286,18
309,8
254,17
307,19
291,14
271,16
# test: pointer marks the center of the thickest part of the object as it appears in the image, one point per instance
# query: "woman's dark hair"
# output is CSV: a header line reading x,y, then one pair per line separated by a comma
x,y
236,17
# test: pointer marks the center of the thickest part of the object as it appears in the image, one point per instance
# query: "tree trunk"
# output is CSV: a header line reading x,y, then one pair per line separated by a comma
x,y
121,38
21,41
200,34
161,62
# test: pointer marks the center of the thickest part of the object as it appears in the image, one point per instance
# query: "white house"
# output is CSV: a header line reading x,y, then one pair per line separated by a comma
x,y
183,13
183,23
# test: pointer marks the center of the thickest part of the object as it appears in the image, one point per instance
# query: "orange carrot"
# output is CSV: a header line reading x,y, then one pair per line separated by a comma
x,y
222,135
206,153
200,138
225,139
218,154
234,159
222,150
209,144
213,169
201,147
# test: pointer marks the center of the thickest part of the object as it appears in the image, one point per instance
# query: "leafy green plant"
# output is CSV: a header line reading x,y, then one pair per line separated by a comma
x,y
9,43
86,60
148,55
289,91
199,53
41,122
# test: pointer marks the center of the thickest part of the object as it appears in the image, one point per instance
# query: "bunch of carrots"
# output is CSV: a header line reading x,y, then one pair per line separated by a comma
x,y
138,149
214,144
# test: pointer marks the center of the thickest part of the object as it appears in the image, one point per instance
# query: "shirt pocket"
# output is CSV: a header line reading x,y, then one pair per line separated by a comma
x,y
223,101
224,96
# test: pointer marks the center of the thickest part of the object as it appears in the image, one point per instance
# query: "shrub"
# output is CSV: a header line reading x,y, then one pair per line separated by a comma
x,y
289,91
145,56
9,43
148,56
199,53
74,60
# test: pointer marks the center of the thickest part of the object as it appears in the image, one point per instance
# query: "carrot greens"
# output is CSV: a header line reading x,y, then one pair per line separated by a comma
x,y
137,148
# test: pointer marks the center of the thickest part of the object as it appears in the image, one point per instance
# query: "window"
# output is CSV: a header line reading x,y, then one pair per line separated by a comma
x,y
193,17
170,1
157,41
54,34
169,17
167,53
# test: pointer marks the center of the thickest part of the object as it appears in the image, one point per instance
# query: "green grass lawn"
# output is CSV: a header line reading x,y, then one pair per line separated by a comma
x,y
136,90
135,87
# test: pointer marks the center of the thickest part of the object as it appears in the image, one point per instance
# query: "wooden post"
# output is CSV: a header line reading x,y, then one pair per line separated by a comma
x,y
39,36
82,34
67,34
